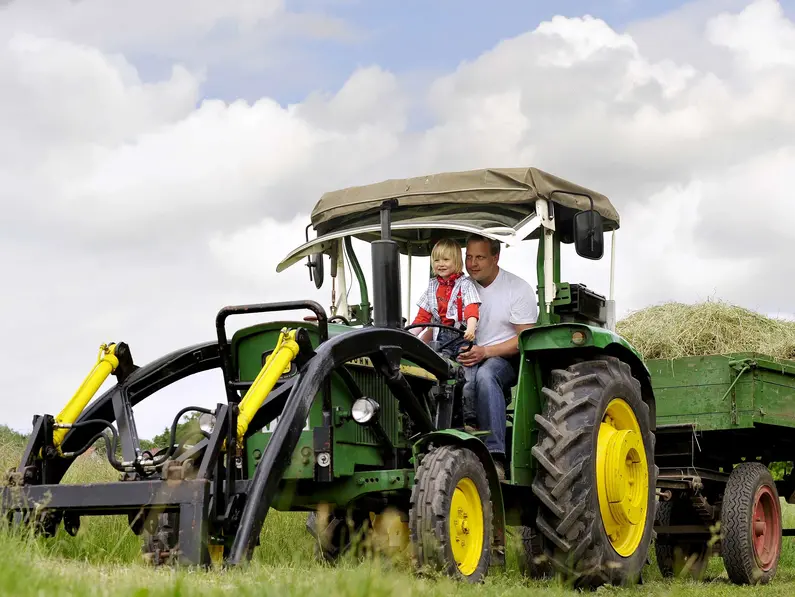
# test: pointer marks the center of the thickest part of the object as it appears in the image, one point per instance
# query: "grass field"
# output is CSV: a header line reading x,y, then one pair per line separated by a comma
x,y
104,559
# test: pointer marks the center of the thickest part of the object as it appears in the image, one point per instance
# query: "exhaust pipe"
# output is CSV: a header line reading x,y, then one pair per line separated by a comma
x,y
386,274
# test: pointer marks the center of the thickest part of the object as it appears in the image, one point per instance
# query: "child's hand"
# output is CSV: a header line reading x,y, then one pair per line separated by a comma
x,y
470,333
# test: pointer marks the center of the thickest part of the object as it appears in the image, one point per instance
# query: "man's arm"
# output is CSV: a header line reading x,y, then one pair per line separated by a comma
x,y
504,349
508,348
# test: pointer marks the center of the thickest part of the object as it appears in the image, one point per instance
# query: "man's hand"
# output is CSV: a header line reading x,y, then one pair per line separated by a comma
x,y
472,356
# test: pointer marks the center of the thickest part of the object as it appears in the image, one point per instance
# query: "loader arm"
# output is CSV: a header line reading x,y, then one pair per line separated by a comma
x,y
114,404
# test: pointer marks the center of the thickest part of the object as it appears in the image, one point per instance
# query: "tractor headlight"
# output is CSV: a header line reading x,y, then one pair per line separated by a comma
x,y
365,410
207,423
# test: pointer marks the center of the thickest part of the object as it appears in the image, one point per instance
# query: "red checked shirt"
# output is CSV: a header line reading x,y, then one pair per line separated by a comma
x,y
435,305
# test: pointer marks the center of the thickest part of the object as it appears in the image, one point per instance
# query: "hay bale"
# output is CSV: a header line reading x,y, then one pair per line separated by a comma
x,y
673,330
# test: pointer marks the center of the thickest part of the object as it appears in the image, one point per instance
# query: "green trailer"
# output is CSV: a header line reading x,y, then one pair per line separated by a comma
x,y
723,422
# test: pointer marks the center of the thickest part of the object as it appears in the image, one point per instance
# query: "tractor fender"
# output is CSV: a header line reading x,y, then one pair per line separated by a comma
x,y
596,340
456,437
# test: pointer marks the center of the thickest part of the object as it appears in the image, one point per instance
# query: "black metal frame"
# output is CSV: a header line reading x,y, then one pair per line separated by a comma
x,y
215,498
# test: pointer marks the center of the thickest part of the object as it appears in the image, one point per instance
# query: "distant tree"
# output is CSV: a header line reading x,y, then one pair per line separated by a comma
x,y
8,435
780,469
187,426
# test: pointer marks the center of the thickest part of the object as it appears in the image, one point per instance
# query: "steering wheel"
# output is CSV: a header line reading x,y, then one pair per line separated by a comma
x,y
458,331
339,318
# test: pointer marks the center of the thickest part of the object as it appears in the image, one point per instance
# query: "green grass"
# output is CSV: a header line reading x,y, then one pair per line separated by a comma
x,y
104,559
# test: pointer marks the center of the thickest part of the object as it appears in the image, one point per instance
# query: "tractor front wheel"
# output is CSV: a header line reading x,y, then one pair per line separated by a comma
x,y
450,520
596,476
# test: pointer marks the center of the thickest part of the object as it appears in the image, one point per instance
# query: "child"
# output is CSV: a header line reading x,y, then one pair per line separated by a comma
x,y
451,299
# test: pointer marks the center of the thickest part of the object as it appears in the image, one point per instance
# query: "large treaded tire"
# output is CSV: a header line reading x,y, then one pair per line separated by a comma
x,y
680,558
737,518
569,519
429,515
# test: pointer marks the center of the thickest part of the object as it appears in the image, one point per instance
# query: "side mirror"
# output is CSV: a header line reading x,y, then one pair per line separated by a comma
x,y
315,265
588,236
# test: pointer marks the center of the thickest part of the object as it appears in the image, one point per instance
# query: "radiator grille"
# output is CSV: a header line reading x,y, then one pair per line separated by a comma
x,y
373,386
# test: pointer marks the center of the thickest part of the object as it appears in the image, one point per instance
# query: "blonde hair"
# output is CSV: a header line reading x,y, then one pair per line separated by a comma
x,y
448,248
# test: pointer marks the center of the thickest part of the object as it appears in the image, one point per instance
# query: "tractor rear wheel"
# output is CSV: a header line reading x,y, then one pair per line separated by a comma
x,y
596,476
751,525
450,520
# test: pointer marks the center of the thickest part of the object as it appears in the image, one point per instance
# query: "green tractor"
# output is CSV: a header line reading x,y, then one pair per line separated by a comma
x,y
353,418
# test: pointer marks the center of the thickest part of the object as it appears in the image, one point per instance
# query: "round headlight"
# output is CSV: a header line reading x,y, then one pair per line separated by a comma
x,y
207,423
364,410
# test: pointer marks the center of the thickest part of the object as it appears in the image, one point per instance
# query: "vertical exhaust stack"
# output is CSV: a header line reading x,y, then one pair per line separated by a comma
x,y
386,274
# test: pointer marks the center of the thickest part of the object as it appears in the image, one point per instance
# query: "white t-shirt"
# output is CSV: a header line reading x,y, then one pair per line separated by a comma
x,y
508,300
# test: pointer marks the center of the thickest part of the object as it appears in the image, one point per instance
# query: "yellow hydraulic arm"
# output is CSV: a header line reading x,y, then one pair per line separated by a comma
x,y
107,361
277,363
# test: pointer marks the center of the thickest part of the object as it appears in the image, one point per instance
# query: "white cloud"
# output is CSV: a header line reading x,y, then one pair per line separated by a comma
x,y
135,210
759,34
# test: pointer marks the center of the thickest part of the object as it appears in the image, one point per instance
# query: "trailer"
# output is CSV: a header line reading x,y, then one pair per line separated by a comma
x,y
723,421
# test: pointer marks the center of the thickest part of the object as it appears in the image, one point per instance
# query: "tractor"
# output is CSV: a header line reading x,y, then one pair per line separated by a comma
x,y
353,418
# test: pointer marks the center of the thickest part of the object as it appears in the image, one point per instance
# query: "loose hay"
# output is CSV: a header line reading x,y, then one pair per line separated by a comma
x,y
675,330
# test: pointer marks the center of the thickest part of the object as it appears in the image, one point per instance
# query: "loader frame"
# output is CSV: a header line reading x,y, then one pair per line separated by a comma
x,y
217,500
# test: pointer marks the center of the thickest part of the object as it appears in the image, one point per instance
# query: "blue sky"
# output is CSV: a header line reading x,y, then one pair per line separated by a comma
x,y
416,39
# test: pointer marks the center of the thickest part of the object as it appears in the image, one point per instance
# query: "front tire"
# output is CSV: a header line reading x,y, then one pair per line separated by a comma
x,y
596,476
450,520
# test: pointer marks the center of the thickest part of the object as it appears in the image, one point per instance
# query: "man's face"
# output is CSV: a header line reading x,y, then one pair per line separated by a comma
x,y
481,264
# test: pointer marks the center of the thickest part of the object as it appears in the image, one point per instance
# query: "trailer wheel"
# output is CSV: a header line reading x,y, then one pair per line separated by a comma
x,y
596,476
336,535
533,562
751,525
160,539
450,519
676,558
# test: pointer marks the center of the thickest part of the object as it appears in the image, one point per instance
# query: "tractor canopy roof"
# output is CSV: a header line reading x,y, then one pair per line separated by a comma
x,y
496,203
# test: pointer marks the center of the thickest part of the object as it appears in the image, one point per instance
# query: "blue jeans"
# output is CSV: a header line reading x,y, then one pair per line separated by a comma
x,y
451,352
493,377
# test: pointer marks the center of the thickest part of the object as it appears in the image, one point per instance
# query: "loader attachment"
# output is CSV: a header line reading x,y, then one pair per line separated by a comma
x,y
202,485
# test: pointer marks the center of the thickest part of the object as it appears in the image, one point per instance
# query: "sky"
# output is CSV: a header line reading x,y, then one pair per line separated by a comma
x,y
157,160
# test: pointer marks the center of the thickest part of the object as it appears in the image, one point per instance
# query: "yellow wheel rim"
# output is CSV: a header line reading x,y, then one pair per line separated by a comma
x,y
622,477
466,526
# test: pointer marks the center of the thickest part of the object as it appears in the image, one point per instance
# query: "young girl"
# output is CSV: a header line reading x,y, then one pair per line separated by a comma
x,y
451,299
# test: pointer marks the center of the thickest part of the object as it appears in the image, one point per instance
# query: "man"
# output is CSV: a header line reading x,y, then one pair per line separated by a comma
x,y
508,306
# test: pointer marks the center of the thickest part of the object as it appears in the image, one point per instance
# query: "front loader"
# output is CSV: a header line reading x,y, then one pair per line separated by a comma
x,y
357,421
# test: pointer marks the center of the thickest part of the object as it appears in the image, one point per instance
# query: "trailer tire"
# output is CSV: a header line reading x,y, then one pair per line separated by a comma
x,y
533,562
450,518
751,525
680,558
340,535
161,539
596,520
